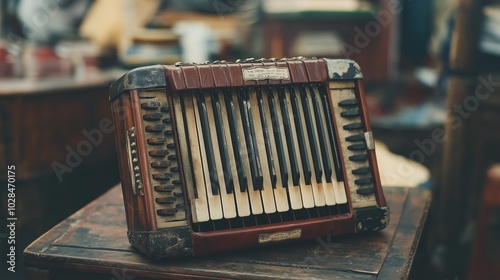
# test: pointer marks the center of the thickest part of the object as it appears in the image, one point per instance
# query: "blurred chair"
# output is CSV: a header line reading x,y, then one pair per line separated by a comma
x,y
472,140
485,254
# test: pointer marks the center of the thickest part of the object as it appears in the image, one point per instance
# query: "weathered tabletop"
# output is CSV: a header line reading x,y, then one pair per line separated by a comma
x,y
92,244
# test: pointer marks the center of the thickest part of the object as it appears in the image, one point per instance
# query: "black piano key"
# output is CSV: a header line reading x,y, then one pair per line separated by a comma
x,y
277,138
162,176
348,103
164,188
172,157
253,156
306,169
177,182
267,141
294,165
155,128
214,181
313,143
350,114
353,126
359,158
150,105
333,141
356,138
152,116
363,181
235,139
357,147
158,153
361,171
167,211
365,190
166,200
171,145
174,169
226,166
168,132
322,136
160,164
156,140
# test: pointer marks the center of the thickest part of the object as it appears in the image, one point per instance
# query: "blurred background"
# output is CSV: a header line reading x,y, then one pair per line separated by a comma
x,y
429,71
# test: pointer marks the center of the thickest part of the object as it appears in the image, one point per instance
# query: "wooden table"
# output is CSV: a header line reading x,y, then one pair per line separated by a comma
x,y
92,244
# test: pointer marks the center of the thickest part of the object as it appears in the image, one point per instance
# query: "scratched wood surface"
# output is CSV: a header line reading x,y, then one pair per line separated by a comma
x,y
92,244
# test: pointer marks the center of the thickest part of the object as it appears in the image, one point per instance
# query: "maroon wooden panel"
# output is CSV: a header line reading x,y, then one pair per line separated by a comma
x,y
175,78
316,71
191,77
221,74
298,72
230,74
206,76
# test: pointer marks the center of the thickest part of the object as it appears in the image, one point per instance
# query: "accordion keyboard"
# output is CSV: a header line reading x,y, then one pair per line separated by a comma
x,y
268,150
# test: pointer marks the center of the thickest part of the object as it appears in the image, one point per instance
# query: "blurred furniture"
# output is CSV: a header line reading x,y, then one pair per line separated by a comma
x,y
366,35
485,254
41,123
471,142
92,244
41,118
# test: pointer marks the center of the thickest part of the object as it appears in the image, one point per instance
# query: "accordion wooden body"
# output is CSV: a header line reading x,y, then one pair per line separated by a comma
x,y
222,156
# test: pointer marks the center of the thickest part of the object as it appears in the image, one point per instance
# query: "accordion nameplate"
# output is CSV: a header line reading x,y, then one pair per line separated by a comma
x,y
266,73
280,236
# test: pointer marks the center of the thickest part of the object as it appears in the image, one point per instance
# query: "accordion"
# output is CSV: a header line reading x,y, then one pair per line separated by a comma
x,y
228,155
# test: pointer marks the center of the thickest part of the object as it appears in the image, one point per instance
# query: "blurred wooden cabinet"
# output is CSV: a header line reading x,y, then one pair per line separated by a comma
x,y
41,123
366,35
472,141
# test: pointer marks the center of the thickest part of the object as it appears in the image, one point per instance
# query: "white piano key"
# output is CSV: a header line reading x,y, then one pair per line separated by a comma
x,y
340,194
293,191
227,199
306,191
338,187
199,206
268,199
280,194
242,202
318,193
254,195
328,189
214,201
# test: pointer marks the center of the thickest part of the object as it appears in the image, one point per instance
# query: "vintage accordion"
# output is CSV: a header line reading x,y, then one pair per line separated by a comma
x,y
227,155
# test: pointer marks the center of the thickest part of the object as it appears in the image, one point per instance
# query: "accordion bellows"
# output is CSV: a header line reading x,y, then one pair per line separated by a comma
x,y
222,156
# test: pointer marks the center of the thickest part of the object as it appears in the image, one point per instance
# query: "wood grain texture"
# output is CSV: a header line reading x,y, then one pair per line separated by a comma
x,y
92,244
55,121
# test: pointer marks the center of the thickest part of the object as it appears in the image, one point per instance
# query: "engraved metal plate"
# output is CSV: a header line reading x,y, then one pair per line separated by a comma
x,y
280,236
266,73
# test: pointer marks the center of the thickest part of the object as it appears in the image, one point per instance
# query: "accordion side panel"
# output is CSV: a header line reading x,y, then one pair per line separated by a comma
x,y
373,159
138,208
161,154
149,170
360,185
